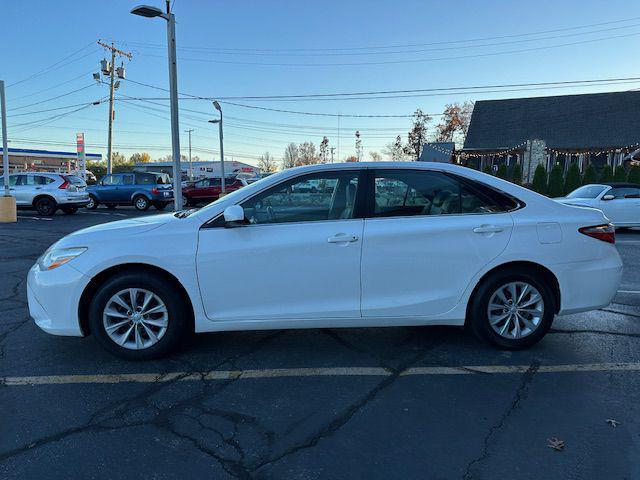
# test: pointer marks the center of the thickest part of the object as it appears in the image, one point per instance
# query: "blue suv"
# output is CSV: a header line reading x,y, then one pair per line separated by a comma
x,y
136,188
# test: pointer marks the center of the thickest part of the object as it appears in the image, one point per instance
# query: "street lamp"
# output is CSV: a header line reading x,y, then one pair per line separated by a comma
x,y
216,105
151,12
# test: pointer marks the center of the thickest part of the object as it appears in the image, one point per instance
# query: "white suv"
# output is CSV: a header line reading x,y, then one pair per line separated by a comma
x,y
46,192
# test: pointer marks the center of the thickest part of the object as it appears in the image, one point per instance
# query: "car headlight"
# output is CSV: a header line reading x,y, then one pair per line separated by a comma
x,y
55,257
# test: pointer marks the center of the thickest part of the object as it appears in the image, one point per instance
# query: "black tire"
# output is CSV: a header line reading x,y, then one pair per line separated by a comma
x,y
141,203
93,203
45,206
178,313
160,205
185,201
111,206
69,209
478,315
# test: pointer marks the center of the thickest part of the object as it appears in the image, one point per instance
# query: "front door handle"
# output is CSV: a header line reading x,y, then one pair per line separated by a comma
x,y
343,238
488,229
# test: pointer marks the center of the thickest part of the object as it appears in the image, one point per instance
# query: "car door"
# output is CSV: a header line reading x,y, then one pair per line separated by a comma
x,y
624,208
26,188
14,190
297,257
107,189
127,188
426,235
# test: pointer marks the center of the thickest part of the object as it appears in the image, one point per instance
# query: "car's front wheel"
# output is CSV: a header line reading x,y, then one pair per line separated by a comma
x,y
138,316
512,309
141,203
93,203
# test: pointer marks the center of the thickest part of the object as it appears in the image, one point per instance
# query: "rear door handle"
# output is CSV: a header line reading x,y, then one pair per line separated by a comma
x,y
488,229
343,238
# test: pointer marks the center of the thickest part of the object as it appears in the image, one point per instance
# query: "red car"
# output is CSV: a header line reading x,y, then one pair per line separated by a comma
x,y
208,189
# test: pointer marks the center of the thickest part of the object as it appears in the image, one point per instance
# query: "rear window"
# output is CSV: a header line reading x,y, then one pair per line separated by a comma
x,y
75,180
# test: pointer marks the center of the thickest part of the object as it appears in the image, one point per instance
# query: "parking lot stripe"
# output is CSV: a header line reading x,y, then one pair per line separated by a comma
x,y
311,372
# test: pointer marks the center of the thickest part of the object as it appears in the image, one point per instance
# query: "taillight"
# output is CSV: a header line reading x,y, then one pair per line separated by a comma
x,y
606,232
64,184
154,190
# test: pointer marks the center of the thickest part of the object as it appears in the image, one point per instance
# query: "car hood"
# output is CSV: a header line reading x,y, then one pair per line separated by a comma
x,y
114,230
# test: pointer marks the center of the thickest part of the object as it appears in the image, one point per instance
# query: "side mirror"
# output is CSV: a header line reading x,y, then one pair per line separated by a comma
x,y
608,197
233,216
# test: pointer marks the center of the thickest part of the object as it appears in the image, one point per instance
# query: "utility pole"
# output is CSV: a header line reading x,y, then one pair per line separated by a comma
x,y
111,71
333,149
190,165
8,212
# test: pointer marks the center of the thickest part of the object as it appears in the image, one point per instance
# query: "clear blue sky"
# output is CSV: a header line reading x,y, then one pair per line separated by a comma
x,y
50,31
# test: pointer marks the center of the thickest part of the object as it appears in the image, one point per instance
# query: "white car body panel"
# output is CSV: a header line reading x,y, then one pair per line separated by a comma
x,y
25,194
294,278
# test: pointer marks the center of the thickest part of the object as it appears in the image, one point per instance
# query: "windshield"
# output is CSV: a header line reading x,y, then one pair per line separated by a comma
x,y
588,191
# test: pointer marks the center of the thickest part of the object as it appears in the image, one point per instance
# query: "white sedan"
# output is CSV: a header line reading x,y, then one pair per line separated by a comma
x,y
620,202
377,244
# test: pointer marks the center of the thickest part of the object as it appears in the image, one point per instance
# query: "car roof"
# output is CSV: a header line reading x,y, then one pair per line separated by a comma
x,y
622,185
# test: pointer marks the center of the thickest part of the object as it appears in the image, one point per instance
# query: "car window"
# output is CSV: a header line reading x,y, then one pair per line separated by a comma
x,y
624,192
112,180
587,191
145,179
409,193
73,179
28,180
127,180
293,201
42,180
13,179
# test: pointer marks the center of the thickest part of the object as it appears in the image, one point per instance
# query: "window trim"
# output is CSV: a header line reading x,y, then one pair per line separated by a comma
x,y
358,211
469,183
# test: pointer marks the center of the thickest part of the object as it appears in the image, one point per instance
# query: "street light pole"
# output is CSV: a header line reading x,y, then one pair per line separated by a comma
x,y
219,122
151,12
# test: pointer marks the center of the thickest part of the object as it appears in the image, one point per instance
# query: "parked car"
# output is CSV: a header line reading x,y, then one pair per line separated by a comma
x,y
207,190
460,247
620,202
136,188
48,192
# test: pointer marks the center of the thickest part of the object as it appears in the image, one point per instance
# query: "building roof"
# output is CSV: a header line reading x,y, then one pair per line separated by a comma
x,y
27,152
198,163
600,120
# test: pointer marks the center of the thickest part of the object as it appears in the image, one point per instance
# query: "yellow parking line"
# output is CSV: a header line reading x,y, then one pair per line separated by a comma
x,y
312,372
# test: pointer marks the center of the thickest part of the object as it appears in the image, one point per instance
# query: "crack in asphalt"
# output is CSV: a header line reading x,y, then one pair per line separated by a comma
x,y
519,396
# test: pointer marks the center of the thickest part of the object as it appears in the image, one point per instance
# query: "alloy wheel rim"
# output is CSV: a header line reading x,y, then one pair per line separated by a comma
x,y
90,204
135,318
141,203
515,310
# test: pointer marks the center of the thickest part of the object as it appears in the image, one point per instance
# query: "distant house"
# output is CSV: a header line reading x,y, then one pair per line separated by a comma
x,y
23,159
598,129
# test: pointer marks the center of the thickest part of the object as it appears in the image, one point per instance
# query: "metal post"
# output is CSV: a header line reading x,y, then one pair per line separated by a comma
x,y
221,157
173,93
5,150
190,163
112,72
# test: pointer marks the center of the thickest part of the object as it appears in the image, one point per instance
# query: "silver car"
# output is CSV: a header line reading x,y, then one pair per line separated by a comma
x,y
48,192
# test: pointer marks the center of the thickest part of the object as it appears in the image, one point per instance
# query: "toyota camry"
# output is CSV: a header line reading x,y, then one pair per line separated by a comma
x,y
371,245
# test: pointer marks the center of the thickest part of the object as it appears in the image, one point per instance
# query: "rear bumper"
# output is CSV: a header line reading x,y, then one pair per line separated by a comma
x,y
588,285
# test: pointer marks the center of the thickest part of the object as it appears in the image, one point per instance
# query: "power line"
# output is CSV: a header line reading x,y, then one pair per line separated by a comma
x,y
374,47
56,65
53,87
396,62
52,109
52,98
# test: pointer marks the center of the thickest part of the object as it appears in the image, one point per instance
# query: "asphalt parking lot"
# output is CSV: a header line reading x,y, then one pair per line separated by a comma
x,y
356,403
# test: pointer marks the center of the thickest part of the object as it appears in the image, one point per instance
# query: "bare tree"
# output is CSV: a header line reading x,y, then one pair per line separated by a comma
x,y
307,154
417,136
395,150
267,163
290,158
375,156
455,122
358,146
324,150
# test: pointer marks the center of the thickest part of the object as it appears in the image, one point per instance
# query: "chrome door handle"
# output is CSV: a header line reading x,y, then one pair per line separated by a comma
x,y
342,238
488,229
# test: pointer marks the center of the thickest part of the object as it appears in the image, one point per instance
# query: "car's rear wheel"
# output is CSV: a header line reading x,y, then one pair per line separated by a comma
x,y
45,206
141,203
93,203
138,316
69,209
512,309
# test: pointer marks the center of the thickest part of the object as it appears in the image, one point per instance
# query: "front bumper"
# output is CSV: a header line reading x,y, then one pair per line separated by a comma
x,y
53,298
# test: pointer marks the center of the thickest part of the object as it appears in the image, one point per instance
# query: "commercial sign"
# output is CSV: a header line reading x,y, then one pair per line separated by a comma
x,y
82,163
